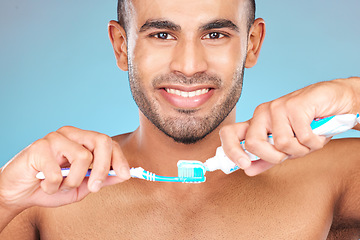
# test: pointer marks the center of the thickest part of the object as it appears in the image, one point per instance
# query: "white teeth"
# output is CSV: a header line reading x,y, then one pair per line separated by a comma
x,y
187,94
184,94
204,91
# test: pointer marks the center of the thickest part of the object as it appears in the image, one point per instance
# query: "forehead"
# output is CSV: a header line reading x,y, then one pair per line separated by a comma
x,y
191,13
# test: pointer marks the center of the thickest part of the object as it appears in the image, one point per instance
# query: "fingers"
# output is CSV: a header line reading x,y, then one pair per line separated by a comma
x,y
104,152
258,167
51,169
80,149
304,133
61,197
256,140
120,166
230,136
288,119
68,146
283,135
69,152
291,131
53,178
292,137
119,163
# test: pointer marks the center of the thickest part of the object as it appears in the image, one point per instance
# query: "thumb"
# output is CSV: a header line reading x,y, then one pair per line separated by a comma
x,y
231,136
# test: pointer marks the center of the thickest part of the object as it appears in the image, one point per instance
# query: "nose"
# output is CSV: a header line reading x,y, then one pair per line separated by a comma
x,y
189,58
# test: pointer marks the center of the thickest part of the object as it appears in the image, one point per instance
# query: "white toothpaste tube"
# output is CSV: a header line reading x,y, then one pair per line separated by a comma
x,y
328,127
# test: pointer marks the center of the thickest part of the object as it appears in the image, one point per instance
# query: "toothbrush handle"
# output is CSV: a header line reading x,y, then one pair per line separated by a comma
x,y
65,173
134,172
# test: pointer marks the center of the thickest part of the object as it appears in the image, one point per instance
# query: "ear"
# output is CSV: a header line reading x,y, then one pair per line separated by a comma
x,y
255,40
117,37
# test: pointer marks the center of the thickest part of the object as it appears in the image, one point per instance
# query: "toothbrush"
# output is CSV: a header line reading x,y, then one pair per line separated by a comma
x,y
187,173
190,171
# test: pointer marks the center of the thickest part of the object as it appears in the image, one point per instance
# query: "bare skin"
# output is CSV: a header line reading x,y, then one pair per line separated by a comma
x,y
313,195
299,199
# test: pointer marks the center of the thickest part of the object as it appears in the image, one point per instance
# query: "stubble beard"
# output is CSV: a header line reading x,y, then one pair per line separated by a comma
x,y
187,127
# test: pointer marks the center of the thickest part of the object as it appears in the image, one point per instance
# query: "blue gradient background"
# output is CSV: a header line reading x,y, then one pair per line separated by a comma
x,y
57,66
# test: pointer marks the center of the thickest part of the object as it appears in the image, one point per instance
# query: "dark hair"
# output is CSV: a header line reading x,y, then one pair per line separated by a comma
x,y
121,10
251,13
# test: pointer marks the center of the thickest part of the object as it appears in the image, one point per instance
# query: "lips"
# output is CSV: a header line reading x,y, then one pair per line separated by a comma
x,y
186,98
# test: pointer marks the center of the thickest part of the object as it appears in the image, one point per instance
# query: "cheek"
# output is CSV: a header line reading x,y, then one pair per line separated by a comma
x,y
151,60
225,60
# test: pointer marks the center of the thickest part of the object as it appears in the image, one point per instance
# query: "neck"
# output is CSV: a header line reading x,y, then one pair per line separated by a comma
x,y
158,153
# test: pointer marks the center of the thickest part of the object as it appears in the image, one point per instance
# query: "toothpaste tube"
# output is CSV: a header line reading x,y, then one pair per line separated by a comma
x,y
327,126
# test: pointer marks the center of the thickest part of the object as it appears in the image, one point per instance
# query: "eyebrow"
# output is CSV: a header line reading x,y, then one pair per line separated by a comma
x,y
220,23
166,24
160,24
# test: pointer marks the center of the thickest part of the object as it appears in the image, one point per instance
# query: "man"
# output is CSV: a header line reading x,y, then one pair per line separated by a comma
x,y
186,60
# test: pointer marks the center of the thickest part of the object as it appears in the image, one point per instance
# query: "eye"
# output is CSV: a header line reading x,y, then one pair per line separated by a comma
x,y
163,36
214,35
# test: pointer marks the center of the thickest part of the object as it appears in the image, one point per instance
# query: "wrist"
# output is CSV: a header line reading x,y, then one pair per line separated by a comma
x,y
354,89
7,206
350,94
354,84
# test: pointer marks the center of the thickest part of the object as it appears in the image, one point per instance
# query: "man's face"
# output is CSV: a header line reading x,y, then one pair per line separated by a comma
x,y
186,61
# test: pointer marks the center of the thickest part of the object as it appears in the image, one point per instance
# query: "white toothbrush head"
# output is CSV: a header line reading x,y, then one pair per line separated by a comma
x,y
192,171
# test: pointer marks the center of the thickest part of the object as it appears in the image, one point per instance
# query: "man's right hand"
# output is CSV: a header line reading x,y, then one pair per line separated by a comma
x,y
288,119
67,147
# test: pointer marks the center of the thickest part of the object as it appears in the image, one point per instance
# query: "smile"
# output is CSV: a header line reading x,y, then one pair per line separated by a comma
x,y
187,94
183,98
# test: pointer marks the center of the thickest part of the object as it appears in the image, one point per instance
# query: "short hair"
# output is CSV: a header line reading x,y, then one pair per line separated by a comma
x,y
251,13
122,12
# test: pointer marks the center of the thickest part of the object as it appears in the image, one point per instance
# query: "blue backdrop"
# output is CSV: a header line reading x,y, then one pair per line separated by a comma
x,y
57,66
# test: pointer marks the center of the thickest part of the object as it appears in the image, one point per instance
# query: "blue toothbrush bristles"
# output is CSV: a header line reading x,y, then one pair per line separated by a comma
x,y
191,169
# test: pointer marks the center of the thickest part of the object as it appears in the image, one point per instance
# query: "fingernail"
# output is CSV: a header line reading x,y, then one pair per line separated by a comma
x,y
285,158
125,172
95,187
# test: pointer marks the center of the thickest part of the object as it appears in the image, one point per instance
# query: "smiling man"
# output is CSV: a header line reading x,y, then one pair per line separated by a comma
x,y
186,63
185,78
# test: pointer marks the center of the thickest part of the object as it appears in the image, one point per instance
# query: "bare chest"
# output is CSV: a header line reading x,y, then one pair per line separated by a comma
x,y
262,214
216,223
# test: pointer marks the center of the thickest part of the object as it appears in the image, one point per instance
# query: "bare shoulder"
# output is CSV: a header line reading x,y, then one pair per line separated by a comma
x,y
339,159
23,226
341,154
338,162
343,159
